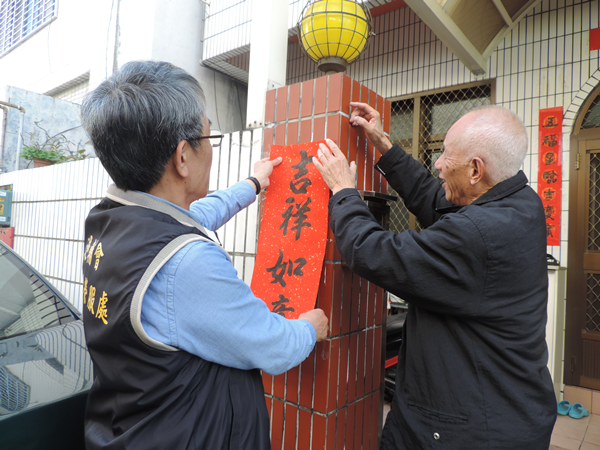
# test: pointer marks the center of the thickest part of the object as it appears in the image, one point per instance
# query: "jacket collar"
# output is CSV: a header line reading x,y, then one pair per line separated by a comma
x,y
499,191
135,198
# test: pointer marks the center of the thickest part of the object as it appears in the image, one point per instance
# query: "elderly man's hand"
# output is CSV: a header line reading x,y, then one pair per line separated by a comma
x,y
319,321
369,119
263,170
334,167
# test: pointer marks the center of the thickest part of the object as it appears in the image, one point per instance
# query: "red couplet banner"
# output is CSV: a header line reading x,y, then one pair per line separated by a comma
x,y
550,169
293,233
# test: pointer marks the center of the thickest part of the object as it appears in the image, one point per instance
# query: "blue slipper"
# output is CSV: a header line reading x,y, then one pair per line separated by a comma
x,y
564,407
577,411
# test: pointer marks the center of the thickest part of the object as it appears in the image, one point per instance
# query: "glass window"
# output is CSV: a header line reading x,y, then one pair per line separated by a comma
x,y
592,117
435,113
26,302
20,18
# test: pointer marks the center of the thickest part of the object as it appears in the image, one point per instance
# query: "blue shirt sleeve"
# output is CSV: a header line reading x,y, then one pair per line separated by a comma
x,y
211,313
216,209
197,303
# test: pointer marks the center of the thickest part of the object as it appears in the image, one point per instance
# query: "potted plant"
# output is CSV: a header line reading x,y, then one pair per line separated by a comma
x,y
40,156
51,149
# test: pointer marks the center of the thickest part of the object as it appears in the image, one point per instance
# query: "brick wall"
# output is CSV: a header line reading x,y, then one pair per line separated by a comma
x,y
333,399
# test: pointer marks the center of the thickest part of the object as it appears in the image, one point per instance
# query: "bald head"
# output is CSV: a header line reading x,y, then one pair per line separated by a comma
x,y
497,136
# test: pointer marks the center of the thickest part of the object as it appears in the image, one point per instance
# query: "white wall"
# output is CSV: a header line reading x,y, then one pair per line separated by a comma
x,y
173,31
178,33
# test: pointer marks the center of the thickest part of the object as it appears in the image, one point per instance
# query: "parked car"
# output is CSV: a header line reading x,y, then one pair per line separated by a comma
x,y
45,367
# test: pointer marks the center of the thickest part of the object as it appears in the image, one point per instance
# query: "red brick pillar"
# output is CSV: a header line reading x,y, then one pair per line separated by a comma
x,y
333,399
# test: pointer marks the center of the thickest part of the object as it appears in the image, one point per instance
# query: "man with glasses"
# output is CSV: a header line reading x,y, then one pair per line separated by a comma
x,y
175,336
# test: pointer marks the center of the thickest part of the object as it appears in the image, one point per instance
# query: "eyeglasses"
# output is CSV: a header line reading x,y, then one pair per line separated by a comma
x,y
215,138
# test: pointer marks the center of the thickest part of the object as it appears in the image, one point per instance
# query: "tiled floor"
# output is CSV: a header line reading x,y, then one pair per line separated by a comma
x,y
575,434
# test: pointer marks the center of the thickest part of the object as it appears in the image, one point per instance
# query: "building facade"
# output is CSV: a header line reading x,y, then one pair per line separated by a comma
x,y
65,48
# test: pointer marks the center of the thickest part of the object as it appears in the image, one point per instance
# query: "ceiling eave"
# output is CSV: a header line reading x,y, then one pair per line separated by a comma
x,y
430,12
446,29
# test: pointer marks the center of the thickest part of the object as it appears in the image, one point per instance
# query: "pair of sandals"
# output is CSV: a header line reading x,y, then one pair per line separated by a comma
x,y
576,411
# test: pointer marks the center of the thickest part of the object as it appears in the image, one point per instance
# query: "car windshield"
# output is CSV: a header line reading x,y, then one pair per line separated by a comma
x,y
26,302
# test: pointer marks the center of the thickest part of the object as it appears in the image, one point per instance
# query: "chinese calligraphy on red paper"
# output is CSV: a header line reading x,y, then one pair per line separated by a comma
x,y
293,233
550,169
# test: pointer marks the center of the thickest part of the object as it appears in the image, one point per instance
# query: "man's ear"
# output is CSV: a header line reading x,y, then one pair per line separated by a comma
x,y
477,170
180,158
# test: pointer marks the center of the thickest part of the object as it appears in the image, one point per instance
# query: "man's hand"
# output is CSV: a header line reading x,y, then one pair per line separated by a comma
x,y
319,321
263,170
334,167
369,120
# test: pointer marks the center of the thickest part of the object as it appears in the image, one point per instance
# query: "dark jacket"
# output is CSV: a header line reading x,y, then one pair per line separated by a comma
x,y
472,368
148,395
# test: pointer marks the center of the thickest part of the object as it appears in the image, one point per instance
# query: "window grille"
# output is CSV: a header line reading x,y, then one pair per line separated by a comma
x,y
593,302
593,279
73,91
14,393
74,94
435,113
594,203
20,18
592,117
592,120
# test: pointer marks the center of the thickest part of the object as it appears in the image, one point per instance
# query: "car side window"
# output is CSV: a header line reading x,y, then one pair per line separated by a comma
x,y
26,302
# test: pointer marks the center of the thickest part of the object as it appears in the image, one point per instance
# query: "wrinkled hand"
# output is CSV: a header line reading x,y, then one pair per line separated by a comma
x,y
319,321
334,167
369,119
263,170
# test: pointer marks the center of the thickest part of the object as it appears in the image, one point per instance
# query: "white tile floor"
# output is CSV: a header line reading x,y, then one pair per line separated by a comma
x,y
576,434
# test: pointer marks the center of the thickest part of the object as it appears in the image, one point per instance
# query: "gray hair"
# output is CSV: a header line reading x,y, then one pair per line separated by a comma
x,y
498,137
137,117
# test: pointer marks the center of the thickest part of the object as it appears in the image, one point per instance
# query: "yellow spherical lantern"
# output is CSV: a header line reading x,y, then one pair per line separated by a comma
x,y
333,33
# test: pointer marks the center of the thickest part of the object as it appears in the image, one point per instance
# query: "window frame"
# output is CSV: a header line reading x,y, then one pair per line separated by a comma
x,y
434,141
45,21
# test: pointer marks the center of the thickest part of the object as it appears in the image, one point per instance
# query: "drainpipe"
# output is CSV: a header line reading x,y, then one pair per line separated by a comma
x,y
3,131
19,137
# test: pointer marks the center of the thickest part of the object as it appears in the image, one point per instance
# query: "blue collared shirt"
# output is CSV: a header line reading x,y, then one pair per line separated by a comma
x,y
197,302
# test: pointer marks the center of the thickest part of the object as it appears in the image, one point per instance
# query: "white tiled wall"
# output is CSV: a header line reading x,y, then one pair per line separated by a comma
x,y
545,62
50,205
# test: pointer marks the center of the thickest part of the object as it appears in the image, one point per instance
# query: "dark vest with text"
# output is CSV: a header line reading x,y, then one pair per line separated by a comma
x,y
147,395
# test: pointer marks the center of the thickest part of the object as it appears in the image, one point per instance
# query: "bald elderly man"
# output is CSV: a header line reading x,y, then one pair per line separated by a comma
x,y
472,367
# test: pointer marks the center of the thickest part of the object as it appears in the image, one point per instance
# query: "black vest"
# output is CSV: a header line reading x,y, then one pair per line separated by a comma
x,y
147,395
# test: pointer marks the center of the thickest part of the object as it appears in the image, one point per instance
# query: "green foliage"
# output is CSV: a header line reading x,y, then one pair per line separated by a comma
x,y
55,148
33,152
